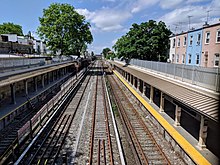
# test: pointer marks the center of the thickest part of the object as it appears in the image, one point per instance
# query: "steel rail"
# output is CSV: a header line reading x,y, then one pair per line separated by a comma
x,y
93,124
56,155
119,145
145,128
57,135
99,154
58,151
104,154
63,100
63,140
130,128
142,123
44,141
151,136
107,124
48,156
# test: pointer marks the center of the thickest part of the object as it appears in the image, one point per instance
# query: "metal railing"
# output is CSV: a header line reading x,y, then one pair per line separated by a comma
x,y
196,75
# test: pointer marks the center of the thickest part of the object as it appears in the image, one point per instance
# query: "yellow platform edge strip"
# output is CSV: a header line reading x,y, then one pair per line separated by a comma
x,y
186,146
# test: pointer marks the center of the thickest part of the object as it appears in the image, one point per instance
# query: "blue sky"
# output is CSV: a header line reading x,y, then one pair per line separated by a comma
x,y
110,19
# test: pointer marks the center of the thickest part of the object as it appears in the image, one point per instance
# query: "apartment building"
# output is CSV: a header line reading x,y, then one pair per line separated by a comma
x,y
199,47
180,50
211,46
194,47
23,44
172,48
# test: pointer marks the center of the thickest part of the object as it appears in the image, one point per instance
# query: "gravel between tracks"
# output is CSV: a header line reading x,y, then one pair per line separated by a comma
x,y
77,146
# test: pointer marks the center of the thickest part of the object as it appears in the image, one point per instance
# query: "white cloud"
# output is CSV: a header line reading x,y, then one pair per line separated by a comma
x,y
106,19
97,49
140,5
178,19
109,0
86,13
195,1
170,4
215,5
114,41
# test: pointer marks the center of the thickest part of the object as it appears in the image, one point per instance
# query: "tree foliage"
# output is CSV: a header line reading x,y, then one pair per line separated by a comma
x,y
64,29
148,41
10,28
105,51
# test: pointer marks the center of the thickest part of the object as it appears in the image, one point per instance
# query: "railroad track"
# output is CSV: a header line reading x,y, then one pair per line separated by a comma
x,y
91,139
46,149
10,145
8,137
64,142
146,148
100,142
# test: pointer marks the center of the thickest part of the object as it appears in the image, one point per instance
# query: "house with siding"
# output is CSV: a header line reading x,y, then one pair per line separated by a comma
x,y
211,46
199,47
180,51
172,49
194,47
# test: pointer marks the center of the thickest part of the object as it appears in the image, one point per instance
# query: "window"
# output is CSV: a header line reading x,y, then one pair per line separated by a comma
x,y
218,36
197,58
191,40
178,44
174,42
173,58
177,58
184,43
198,38
183,58
216,60
190,57
207,37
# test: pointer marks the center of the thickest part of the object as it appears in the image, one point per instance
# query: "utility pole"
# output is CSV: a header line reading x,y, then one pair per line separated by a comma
x,y
180,23
176,27
207,17
189,20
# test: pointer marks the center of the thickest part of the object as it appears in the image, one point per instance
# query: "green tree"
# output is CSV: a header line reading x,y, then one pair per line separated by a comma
x,y
105,52
111,55
64,29
147,41
10,28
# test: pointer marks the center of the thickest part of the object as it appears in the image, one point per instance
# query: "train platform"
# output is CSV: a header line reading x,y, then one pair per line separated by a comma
x,y
179,135
16,71
7,108
184,84
183,91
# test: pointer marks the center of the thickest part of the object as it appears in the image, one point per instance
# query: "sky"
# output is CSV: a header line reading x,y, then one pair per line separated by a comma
x,y
111,19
